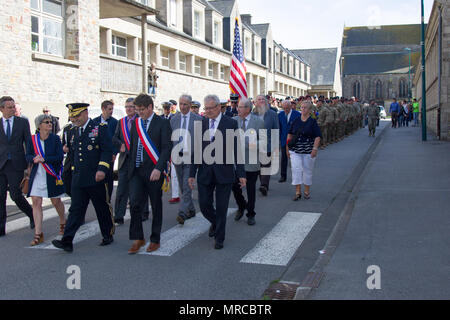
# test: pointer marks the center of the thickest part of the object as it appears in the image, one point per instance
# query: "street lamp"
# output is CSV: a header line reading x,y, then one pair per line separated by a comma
x,y
409,73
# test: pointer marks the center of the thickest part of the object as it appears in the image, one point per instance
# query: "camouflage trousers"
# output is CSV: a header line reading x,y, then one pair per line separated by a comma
x,y
324,131
372,125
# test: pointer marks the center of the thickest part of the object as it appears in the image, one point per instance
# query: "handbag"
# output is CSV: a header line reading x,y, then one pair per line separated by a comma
x,y
25,183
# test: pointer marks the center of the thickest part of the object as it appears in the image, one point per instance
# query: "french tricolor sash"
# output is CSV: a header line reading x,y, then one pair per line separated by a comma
x,y
147,143
125,132
48,168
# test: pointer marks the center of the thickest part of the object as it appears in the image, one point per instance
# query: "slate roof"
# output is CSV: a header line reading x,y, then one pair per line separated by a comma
x,y
261,29
380,63
323,64
383,35
223,6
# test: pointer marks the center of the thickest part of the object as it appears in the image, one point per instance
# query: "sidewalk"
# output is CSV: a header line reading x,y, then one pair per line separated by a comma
x,y
400,222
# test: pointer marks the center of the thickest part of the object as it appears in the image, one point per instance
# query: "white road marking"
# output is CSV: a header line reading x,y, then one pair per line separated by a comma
x,y
281,243
180,236
24,222
86,231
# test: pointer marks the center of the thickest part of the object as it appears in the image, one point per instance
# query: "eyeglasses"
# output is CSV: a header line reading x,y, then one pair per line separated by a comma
x,y
47,122
211,108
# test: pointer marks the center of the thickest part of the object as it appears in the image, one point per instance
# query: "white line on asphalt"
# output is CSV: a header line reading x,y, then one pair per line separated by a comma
x,y
86,231
278,246
24,222
180,236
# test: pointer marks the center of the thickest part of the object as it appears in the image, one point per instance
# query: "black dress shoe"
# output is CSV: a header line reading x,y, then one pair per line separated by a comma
x,y
282,179
66,246
119,221
239,214
32,224
218,246
190,214
263,190
251,221
106,242
212,231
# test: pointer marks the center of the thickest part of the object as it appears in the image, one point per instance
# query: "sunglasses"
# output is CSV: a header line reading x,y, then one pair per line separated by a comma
x,y
47,122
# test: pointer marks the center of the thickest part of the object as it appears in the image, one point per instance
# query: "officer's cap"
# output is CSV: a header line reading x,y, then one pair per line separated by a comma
x,y
76,108
167,105
173,102
223,103
234,97
196,104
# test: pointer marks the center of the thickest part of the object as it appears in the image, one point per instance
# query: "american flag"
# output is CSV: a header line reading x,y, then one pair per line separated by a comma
x,y
238,81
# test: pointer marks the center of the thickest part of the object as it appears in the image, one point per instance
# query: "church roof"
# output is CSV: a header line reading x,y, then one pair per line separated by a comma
x,y
382,35
388,63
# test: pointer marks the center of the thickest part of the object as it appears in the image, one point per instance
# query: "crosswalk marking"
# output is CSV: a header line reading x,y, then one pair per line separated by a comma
x,y
179,236
281,243
24,222
86,231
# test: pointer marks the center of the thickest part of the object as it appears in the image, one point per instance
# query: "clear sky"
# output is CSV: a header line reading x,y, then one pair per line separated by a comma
x,y
303,24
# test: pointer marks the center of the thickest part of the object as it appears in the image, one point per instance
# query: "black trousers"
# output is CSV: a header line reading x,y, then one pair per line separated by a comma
x,y
77,212
123,194
252,177
216,216
284,162
110,180
140,188
9,176
265,179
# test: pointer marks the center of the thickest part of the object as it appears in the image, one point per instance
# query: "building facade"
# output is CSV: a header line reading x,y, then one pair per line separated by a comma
x,y
437,70
92,50
379,62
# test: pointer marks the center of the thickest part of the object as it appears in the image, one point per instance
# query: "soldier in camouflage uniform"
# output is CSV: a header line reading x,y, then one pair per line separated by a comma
x,y
373,113
321,121
340,123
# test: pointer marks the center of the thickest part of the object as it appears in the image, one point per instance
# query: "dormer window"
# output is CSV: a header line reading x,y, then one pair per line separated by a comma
x,y
216,33
197,24
173,13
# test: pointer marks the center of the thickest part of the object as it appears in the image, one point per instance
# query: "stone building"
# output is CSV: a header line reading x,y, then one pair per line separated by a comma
x,y
325,71
375,62
92,50
437,70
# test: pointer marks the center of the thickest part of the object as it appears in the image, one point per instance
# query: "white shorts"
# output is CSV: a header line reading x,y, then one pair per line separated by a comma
x,y
302,166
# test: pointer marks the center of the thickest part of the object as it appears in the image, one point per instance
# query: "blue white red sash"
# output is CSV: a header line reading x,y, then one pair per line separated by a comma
x,y
48,168
147,143
125,132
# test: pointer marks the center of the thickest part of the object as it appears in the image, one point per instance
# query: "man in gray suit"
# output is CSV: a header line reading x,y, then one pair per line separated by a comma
x,y
250,124
183,148
271,122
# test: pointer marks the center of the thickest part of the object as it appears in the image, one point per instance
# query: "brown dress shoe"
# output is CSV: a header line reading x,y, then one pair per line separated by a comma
x,y
137,244
153,247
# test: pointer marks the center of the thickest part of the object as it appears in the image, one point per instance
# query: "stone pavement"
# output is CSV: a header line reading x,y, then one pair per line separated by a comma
x,y
400,223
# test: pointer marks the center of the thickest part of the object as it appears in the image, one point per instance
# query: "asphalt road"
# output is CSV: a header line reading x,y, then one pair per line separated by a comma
x,y
197,271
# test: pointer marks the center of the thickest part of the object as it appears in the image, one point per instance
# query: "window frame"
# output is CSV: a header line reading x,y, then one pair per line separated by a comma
x,y
41,15
199,66
197,32
182,59
164,58
115,46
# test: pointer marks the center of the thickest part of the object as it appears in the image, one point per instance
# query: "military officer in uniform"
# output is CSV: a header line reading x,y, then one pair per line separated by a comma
x,y
373,114
90,151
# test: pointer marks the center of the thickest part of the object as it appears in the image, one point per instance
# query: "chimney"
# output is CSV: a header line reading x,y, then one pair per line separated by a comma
x,y
247,18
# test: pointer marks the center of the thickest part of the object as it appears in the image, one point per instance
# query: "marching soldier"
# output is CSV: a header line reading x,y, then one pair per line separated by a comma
x,y
90,152
373,113
321,121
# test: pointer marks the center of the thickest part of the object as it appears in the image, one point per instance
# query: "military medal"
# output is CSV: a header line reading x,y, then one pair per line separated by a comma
x,y
36,139
90,148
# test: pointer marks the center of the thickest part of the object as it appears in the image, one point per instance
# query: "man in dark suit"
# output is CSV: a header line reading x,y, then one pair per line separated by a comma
x,y
14,134
150,146
286,118
90,152
215,173
232,110
107,118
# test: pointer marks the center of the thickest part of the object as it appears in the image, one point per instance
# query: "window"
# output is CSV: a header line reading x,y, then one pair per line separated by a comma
x,y
277,62
270,59
216,33
378,90
402,89
197,24
173,13
257,52
182,62
211,70
306,74
222,73
119,46
357,89
285,65
165,58
47,26
198,66
247,47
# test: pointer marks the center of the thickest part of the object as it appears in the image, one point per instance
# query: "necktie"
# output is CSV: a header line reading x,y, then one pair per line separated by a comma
x,y
8,130
140,153
212,127
244,127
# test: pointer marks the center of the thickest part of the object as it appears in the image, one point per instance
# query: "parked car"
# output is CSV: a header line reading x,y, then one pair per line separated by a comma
x,y
382,112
